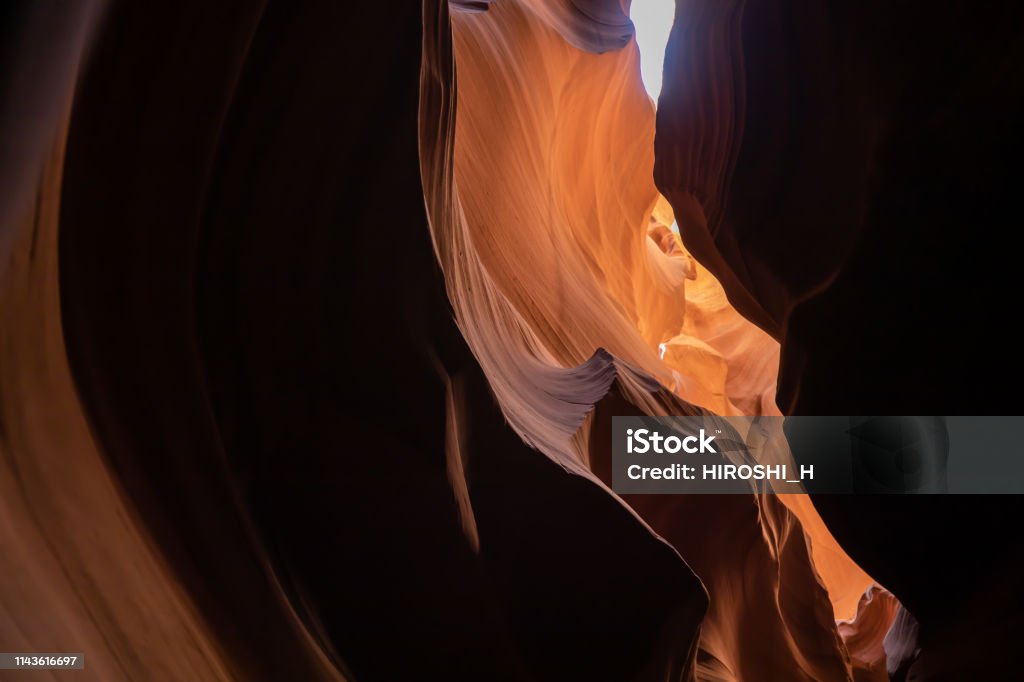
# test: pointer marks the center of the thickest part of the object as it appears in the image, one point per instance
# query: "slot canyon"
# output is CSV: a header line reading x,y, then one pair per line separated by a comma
x,y
315,316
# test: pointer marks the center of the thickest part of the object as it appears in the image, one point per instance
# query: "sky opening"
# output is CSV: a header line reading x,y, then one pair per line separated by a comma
x,y
653,21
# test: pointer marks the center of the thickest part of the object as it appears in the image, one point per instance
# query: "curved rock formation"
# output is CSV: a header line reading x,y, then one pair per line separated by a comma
x,y
573,201
837,186
197,379
315,317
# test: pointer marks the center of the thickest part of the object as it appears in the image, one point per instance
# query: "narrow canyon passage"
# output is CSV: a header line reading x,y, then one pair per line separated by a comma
x,y
316,317
554,160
